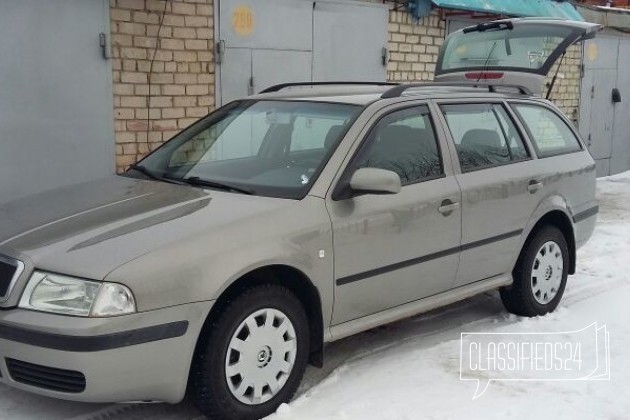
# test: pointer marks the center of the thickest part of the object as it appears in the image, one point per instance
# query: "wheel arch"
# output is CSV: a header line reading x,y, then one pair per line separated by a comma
x,y
295,281
562,221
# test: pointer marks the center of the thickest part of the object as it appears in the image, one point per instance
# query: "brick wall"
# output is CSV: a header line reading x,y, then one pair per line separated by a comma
x,y
413,46
182,81
566,92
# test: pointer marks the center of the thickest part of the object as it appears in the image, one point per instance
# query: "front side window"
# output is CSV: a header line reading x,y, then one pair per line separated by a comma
x,y
271,148
484,135
404,142
549,133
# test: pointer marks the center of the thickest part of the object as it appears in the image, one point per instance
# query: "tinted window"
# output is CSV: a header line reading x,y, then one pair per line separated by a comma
x,y
484,135
549,133
404,142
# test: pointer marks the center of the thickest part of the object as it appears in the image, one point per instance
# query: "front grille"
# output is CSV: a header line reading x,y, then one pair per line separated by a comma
x,y
7,271
46,377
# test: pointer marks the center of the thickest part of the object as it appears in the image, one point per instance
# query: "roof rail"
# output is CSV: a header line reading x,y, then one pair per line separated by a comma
x,y
398,91
277,88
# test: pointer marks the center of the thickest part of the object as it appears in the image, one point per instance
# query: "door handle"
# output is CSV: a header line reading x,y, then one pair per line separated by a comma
x,y
447,207
534,186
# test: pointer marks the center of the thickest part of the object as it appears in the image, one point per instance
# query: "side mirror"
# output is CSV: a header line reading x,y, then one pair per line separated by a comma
x,y
375,181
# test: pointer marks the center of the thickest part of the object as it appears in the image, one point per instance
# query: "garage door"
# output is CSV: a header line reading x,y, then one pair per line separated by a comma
x,y
604,122
56,111
279,41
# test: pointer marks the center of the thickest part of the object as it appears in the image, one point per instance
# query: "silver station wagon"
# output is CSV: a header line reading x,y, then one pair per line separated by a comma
x,y
221,264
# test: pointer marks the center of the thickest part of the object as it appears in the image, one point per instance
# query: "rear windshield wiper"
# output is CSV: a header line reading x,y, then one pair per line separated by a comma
x,y
150,174
199,182
490,26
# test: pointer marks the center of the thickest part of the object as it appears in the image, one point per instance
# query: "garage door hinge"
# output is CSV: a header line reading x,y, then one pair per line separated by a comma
x,y
106,49
592,91
384,56
219,51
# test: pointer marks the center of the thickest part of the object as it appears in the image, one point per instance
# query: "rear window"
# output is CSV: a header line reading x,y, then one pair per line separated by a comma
x,y
549,133
484,135
526,48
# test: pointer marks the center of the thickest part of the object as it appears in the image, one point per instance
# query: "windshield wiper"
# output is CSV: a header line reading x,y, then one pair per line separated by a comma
x,y
150,174
199,182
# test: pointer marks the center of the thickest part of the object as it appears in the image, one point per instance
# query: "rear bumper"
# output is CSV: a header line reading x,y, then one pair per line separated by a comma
x,y
584,224
139,357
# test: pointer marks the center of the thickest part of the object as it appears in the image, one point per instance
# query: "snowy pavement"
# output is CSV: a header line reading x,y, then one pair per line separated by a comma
x,y
411,369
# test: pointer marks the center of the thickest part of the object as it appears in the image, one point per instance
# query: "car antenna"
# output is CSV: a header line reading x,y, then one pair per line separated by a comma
x,y
555,76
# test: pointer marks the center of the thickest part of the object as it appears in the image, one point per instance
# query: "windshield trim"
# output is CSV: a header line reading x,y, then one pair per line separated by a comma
x,y
280,192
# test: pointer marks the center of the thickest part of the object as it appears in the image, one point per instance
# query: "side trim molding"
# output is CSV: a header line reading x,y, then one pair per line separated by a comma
x,y
397,313
414,261
585,214
96,342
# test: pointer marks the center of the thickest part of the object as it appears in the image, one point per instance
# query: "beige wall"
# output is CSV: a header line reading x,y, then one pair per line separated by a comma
x,y
182,81
566,92
182,84
413,47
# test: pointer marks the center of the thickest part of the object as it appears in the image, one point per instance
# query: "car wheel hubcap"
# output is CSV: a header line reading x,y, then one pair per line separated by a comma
x,y
547,272
260,356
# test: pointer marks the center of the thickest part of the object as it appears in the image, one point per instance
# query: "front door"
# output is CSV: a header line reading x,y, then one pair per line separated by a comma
x,y
394,249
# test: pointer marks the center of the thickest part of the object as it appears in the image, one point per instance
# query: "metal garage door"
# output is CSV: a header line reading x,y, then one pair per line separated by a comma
x,y
604,124
56,111
277,41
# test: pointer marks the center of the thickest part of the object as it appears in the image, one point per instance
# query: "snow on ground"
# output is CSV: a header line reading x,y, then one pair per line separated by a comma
x,y
410,369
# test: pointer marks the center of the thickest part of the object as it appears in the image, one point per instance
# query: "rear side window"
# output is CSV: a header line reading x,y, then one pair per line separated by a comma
x,y
404,142
549,133
484,135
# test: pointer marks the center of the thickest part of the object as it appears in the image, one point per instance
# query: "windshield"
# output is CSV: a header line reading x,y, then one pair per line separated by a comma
x,y
270,148
525,47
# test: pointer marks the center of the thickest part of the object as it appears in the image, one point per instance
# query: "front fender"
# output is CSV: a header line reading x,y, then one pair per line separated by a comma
x,y
202,267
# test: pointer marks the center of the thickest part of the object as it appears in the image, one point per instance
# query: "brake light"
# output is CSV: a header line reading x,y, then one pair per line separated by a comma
x,y
483,75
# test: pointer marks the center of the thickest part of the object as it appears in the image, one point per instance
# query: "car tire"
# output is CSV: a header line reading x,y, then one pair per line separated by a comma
x,y
540,274
250,341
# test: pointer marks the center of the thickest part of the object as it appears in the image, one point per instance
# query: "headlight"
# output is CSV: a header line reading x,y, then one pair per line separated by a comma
x,y
73,296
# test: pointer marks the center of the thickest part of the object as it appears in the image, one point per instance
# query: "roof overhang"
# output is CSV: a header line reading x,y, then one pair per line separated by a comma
x,y
562,9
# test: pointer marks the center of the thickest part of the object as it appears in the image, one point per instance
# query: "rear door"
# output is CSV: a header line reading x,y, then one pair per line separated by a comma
x,y
499,192
511,51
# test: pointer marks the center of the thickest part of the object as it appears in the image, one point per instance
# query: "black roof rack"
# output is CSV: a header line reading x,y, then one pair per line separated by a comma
x,y
277,88
398,91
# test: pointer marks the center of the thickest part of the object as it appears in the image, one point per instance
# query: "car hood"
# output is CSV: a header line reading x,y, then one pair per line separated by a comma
x,y
90,229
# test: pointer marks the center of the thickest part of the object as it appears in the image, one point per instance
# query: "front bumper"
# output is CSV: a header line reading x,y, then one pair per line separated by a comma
x,y
138,357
